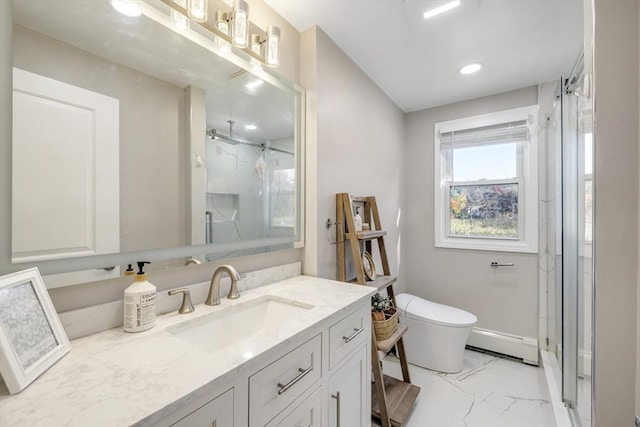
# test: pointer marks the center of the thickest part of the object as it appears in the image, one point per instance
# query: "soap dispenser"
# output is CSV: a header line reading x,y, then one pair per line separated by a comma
x,y
357,219
129,271
140,303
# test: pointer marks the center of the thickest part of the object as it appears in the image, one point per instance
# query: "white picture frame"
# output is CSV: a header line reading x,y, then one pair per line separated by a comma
x,y
32,338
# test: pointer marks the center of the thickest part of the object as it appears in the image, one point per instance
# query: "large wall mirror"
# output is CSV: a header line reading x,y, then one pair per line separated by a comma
x,y
135,138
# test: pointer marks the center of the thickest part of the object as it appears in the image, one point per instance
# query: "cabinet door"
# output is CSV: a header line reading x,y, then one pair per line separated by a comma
x,y
217,413
349,390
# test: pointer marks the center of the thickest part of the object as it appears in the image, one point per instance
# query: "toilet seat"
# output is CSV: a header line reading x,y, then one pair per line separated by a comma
x,y
419,309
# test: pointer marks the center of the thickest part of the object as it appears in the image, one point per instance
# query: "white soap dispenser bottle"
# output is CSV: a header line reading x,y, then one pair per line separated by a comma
x,y
140,303
358,220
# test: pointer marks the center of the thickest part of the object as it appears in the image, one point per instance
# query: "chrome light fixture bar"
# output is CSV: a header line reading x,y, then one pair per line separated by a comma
x,y
232,28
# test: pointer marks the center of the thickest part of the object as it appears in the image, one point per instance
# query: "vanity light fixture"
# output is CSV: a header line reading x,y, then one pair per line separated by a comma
x,y
471,68
271,46
441,9
126,7
222,24
267,46
231,28
197,10
240,23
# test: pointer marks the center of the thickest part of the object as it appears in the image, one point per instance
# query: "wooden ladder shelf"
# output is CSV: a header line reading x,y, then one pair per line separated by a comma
x,y
392,399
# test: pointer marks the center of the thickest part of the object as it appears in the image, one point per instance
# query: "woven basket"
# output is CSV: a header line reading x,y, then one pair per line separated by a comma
x,y
385,328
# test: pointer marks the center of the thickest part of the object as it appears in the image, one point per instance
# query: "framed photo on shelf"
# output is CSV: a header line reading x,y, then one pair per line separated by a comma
x,y
31,336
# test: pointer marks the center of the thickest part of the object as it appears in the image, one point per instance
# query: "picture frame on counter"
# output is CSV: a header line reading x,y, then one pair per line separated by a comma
x,y
32,338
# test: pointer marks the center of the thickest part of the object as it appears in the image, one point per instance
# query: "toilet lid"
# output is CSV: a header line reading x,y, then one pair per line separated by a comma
x,y
420,309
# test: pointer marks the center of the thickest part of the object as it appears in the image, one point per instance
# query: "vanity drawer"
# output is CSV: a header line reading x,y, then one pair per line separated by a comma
x,y
347,335
280,383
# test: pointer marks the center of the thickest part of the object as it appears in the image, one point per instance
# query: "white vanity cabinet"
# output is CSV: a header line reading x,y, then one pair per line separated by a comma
x,y
283,376
217,413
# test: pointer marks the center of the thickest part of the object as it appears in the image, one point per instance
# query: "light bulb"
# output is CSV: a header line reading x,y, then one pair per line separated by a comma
x,y
240,23
222,24
255,47
197,10
271,49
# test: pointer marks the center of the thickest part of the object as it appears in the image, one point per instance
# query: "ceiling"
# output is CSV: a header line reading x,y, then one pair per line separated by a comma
x,y
415,61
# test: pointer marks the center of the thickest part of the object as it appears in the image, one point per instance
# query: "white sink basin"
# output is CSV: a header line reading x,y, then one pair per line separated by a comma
x,y
240,326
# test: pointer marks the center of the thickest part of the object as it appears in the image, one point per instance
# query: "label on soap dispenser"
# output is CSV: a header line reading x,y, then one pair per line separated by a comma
x,y
139,311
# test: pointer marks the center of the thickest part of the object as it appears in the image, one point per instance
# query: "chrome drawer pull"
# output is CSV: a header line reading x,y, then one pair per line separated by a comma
x,y
355,334
337,398
290,384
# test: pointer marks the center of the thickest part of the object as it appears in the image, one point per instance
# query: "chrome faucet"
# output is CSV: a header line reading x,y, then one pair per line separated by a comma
x,y
214,288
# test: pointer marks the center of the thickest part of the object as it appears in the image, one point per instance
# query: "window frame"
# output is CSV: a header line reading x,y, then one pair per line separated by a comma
x,y
527,177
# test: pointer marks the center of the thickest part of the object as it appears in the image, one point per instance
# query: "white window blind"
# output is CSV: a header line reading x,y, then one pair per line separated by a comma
x,y
495,134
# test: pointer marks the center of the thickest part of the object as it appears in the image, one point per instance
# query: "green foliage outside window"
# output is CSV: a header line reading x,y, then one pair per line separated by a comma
x,y
484,210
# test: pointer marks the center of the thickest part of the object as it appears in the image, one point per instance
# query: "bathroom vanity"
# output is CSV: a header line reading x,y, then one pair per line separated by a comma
x,y
295,352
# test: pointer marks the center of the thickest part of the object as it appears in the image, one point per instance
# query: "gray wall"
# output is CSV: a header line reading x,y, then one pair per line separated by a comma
x,y
151,176
505,299
616,210
360,141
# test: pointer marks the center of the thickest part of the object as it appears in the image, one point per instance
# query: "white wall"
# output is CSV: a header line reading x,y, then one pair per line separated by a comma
x,y
360,141
616,211
504,299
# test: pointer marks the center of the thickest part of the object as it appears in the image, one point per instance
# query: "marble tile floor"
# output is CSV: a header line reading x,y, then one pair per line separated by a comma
x,y
490,391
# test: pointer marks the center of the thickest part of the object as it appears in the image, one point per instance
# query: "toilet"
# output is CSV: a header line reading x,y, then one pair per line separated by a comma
x,y
437,333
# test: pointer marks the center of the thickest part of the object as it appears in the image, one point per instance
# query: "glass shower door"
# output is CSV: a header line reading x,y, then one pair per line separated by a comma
x,y
577,243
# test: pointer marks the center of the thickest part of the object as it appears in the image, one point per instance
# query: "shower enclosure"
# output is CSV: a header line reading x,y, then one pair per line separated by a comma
x,y
250,191
566,258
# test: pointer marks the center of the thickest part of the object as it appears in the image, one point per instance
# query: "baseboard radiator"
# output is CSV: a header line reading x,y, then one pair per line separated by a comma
x,y
525,348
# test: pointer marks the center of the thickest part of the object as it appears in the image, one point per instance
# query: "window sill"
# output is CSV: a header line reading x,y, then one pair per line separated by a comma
x,y
487,245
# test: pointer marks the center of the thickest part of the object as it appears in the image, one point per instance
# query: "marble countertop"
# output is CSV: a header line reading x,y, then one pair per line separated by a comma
x,y
115,378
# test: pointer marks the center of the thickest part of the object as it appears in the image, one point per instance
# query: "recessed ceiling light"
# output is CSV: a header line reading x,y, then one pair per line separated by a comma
x,y
126,7
250,127
471,68
441,9
254,84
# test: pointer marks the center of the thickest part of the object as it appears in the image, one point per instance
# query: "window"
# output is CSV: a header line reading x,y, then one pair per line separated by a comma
x,y
486,182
